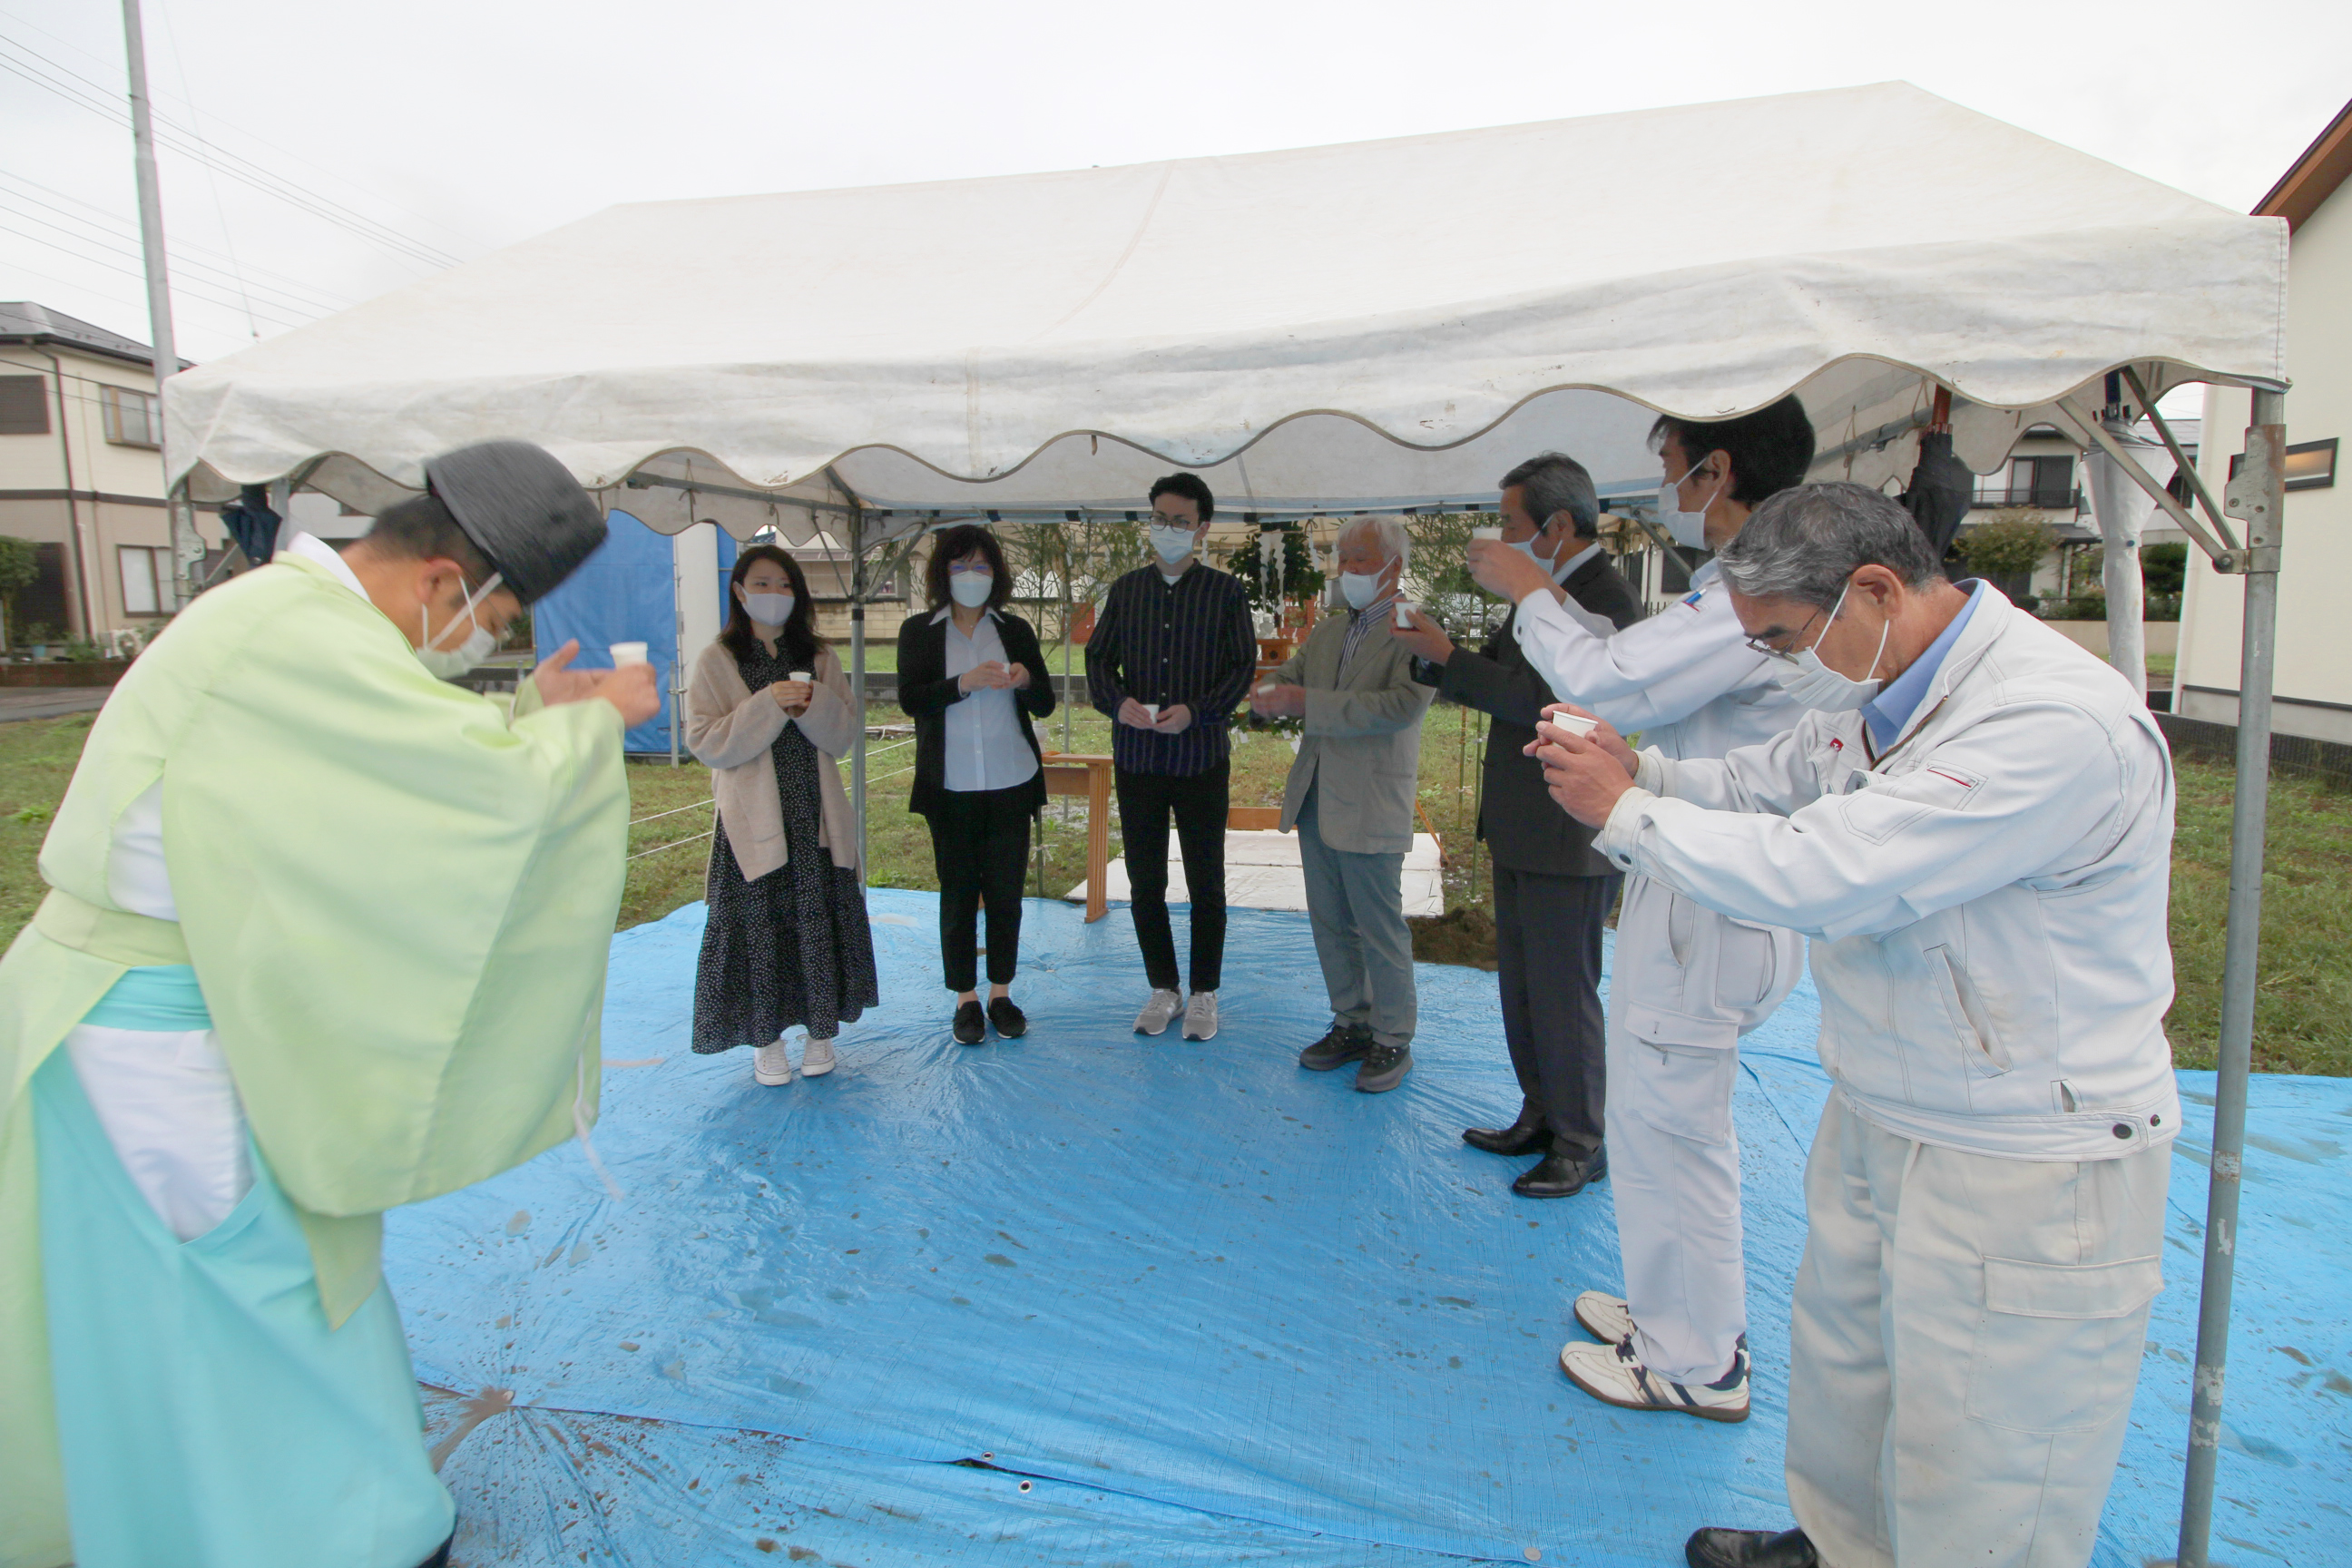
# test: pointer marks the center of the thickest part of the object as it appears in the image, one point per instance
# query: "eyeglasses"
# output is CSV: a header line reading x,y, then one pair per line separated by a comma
x,y
1161,519
1783,655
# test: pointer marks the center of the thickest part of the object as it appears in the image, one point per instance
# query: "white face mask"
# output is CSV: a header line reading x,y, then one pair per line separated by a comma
x,y
971,589
447,664
1687,528
1360,589
1173,544
769,609
1526,547
1815,685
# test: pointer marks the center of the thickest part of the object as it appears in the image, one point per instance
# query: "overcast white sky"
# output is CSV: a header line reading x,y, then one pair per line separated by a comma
x,y
447,128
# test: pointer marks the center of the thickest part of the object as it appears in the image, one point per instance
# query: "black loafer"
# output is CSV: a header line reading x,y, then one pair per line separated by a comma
x,y
1528,1135
1009,1020
1750,1548
971,1024
1560,1175
1344,1044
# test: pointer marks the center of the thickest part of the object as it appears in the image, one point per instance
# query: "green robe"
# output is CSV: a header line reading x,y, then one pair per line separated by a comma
x,y
398,903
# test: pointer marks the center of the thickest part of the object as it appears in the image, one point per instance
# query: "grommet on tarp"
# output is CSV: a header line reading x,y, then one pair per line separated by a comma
x,y
1024,1486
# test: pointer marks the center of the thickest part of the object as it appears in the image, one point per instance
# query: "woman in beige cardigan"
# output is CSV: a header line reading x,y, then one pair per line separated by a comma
x,y
786,942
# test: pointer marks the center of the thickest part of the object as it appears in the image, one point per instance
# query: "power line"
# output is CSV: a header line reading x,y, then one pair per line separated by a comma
x,y
180,265
178,286
189,102
124,227
93,97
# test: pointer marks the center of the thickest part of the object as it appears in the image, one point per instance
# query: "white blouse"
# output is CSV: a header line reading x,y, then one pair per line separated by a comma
x,y
986,748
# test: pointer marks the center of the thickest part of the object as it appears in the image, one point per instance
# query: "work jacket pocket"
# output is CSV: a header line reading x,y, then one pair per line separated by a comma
x,y
2058,1345
1965,1011
1680,1071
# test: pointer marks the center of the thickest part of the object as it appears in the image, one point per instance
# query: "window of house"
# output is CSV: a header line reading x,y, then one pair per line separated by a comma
x,y
132,419
23,405
146,578
2046,482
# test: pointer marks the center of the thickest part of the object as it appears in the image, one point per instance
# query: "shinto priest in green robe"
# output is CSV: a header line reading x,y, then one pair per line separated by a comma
x,y
324,934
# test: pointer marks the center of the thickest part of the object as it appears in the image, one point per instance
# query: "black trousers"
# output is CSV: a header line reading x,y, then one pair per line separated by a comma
x,y
1198,803
980,844
1547,940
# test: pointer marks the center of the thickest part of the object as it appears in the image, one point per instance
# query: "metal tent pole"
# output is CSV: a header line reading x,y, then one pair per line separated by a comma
x,y
2255,495
857,672
188,549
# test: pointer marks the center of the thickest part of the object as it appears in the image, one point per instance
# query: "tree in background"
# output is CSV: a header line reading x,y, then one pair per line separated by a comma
x,y
19,564
2007,547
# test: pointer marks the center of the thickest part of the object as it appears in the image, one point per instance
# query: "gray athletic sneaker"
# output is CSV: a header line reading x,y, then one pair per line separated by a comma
x,y
1200,1017
1159,1013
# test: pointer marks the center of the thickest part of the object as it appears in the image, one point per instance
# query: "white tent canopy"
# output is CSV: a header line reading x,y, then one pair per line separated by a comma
x,y
1388,322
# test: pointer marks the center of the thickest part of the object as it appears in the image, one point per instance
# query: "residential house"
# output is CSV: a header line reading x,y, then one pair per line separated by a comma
x,y
81,475
2313,685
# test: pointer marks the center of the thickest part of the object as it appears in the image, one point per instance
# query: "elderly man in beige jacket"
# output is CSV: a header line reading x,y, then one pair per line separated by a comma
x,y
1350,797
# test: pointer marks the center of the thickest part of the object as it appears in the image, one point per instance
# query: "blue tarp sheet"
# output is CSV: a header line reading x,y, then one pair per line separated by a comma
x,y
1086,1299
624,592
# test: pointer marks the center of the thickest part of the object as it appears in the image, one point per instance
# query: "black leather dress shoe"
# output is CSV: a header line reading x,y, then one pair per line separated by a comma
x,y
1560,1174
1340,1046
1010,1021
1750,1548
1528,1135
971,1024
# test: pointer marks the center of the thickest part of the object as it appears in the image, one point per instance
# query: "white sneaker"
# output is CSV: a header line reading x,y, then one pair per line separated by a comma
x,y
1605,1316
772,1064
1158,1013
1200,1017
817,1059
1614,1375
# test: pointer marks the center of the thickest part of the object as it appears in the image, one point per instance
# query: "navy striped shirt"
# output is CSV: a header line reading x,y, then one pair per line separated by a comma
x,y
1189,641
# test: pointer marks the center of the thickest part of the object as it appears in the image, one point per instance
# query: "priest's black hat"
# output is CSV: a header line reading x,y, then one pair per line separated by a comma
x,y
521,509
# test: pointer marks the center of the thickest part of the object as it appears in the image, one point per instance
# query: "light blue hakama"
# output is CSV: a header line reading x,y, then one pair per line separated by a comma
x,y
207,1414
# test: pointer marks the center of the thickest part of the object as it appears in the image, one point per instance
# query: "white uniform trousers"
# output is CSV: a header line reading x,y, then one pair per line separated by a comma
x,y
1965,1340
1685,984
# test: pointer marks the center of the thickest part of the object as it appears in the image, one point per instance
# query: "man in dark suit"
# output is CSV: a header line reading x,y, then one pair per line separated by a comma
x,y
1553,890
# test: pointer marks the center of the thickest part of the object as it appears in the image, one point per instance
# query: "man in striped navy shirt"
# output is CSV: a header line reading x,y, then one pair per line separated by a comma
x,y
1170,659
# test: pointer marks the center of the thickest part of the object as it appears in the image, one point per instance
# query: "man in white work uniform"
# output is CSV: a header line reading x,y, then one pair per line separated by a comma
x,y
1685,982
1975,829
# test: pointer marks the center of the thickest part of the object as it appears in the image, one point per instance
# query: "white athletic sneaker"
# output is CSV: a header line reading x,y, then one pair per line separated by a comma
x,y
1200,1017
817,1059
1156,1013
1605,1316
772,1064
1614,1375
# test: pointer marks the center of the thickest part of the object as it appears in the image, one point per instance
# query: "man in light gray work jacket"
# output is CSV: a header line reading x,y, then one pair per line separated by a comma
x,y
1351,795
1973,825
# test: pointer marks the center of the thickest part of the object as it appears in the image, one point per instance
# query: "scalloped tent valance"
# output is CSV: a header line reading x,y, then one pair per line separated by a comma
x,y
1385,322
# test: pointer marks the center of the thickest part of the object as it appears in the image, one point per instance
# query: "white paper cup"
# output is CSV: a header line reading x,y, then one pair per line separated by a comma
x,y
803,676
1152,708
627,653
1485,533
1405,609
1572,724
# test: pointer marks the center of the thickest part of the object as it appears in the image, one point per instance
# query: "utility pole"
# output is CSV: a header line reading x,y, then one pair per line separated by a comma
x,y
188,550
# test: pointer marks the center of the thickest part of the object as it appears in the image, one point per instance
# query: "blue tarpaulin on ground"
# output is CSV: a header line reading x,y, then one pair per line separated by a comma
x,y
624,592
1086,1298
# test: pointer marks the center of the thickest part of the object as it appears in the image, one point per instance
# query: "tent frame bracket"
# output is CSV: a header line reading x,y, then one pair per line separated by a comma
x,y
2227,554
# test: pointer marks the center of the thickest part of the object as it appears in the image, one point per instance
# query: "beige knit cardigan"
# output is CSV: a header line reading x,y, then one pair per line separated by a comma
x,y
729,728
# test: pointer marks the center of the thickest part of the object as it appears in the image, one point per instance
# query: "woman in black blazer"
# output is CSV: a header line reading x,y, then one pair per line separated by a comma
x,y
972,677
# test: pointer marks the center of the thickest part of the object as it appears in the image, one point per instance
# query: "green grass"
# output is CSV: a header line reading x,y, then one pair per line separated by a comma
x,y
2302,1021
